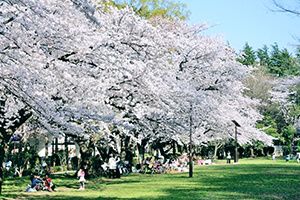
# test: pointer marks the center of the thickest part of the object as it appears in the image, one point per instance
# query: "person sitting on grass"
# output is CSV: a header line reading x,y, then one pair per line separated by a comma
x,y
48,184
36,183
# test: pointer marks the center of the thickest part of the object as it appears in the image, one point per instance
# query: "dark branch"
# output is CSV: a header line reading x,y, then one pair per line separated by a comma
x,y
285,9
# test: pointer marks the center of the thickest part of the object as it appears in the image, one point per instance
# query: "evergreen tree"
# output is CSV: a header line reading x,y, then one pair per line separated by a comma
x,y
263,56
274,66
298,54
281,62
248,56
290,63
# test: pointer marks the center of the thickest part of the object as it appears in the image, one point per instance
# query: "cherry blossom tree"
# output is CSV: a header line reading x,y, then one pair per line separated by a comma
x,y
285,94
79,68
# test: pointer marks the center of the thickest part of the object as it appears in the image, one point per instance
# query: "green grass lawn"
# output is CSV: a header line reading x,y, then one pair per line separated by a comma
x,y
250,179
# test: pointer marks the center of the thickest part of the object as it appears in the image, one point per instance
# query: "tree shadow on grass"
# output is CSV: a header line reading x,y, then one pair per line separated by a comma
x,y
73,183
261,182
249,182
120,182
68,185
62,197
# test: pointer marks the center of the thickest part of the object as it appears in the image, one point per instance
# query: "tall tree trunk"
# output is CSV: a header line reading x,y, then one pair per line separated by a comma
x,y
217,147
252,152
215,151
137,152
56,145
5,133
86,153
191,143
46,149
67,151
52,149
2,157
174,148
128,150
19,169
141,150
141,153
162,151
1,178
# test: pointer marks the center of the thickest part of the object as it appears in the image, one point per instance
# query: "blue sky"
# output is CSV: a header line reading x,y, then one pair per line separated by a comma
x,y
252,21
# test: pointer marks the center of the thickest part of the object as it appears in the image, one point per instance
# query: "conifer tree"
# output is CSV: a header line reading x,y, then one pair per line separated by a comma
x,y
248,56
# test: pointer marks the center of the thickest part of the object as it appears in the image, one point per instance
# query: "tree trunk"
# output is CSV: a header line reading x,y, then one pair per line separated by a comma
x,y
180,149
20,170
2,156
46,149
262,152
67,152
86,153
252,152
141,152
217,147
56,145
52,148
215,151
128,150
191,144
174,148
21,115
1,178
162,151
138,154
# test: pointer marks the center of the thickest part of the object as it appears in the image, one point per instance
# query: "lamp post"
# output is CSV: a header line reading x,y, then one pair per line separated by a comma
x,y
190,145
236,141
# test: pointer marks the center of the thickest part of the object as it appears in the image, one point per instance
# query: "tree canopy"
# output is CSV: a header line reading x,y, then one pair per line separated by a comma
x,y
277,62
74,75
153,8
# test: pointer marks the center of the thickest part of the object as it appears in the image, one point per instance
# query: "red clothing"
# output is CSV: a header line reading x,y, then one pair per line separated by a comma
x,y
48,183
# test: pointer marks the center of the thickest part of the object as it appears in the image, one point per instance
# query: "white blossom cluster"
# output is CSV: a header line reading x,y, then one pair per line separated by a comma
x,y
283,88
77,66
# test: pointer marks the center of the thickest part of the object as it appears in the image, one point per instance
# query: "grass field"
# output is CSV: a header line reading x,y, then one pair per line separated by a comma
x,y
250,179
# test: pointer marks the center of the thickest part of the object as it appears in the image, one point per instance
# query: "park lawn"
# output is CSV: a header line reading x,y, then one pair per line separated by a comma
x,y
250,179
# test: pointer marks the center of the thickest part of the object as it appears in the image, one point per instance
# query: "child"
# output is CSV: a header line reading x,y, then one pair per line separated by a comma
x,y
81,175
228,158
48,183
